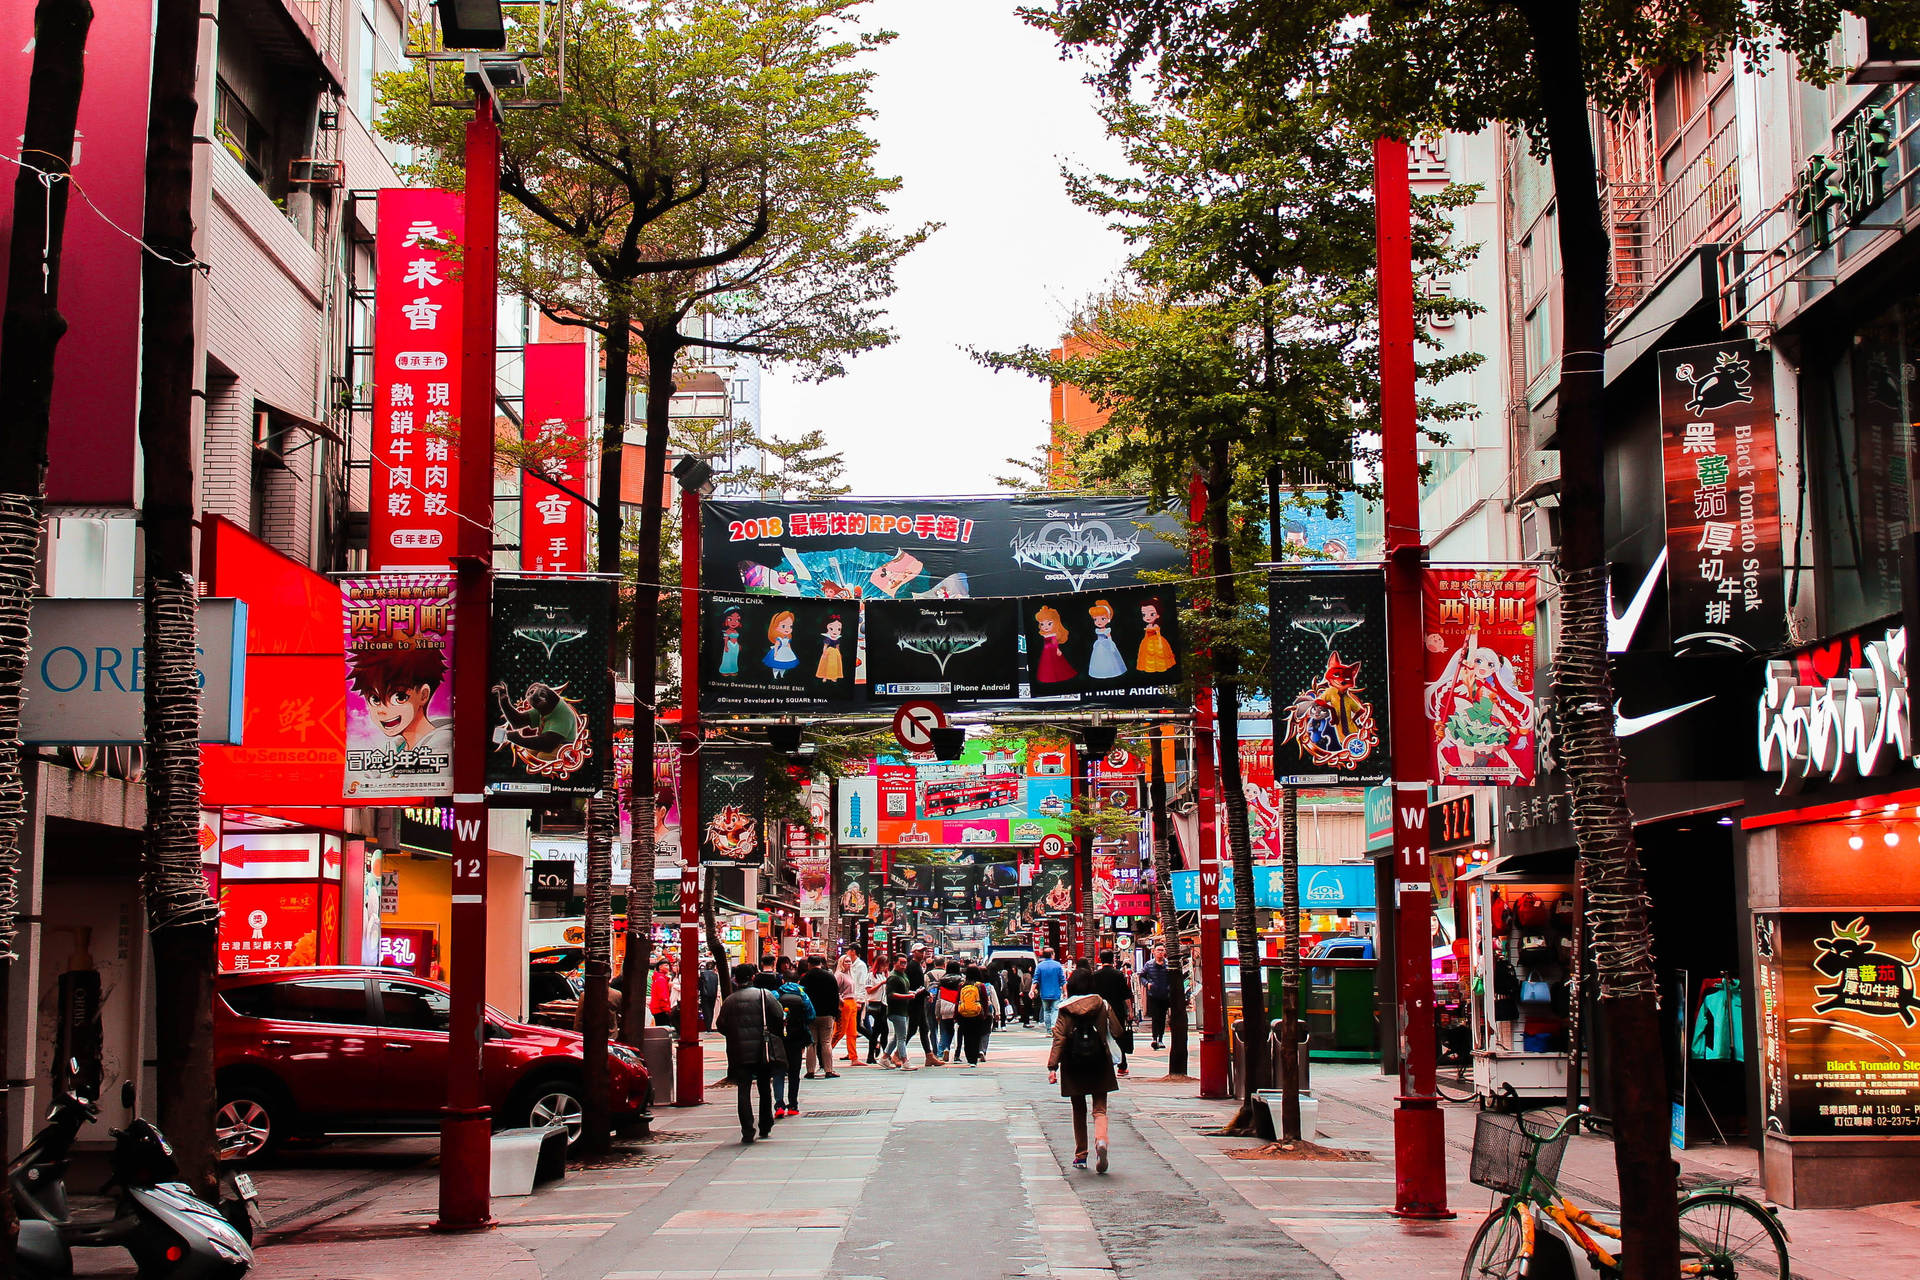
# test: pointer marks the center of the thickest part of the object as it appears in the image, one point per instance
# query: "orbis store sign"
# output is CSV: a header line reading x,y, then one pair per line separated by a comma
x,y
1837,711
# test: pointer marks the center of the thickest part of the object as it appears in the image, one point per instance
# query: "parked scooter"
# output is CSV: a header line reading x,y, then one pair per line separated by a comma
x,y
171,1233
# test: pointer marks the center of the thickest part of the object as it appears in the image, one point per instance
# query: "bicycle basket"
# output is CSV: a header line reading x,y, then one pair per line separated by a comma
x,y
1501,1144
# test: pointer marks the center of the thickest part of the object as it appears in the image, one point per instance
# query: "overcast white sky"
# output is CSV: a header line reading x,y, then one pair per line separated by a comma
x,y
975,112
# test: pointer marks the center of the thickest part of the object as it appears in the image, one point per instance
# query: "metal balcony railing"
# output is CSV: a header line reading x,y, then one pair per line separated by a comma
x,y
1653,226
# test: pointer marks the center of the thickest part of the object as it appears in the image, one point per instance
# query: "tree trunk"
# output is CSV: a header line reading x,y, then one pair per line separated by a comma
x,y
1290,966
1233,795
183,920
662,348
1163,903
31,332
1622,949
603,809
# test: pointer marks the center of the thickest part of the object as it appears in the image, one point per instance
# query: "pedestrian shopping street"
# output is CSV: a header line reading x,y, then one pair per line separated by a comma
x,y
952,1172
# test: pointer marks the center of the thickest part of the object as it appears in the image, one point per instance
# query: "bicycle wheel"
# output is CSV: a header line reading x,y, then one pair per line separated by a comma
x,y
1729,1237
1455,1085
1495,1253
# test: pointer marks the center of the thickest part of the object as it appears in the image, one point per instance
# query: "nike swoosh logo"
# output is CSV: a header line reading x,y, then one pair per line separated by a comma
x,y
1627,726
1620,627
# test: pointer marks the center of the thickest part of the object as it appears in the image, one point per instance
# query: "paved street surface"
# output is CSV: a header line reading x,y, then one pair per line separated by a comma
x,y
957,1172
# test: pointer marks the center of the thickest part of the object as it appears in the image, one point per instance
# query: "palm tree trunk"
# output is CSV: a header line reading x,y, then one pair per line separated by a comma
x,y
183,920
1622,944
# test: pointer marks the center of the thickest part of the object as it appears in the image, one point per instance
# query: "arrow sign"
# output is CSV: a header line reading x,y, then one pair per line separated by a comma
x,y
914,723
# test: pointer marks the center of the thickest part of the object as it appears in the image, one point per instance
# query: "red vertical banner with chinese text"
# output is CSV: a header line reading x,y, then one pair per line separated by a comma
x,y
553,516
1478,650
412,511
1720,457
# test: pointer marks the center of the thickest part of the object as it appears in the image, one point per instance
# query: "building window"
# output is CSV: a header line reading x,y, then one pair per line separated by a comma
x,y
1860,405
1539,265
241,132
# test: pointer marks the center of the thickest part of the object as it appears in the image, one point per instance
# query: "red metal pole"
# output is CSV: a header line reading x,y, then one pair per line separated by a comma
x,y
691,1076
1419,1139
1212,964
466,1122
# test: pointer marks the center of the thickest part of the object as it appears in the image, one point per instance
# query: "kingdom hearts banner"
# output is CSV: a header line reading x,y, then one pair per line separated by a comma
x,y
1478,649
732,788
1329,631
857,886
942,648
933,548
551,691
765,655
1117,648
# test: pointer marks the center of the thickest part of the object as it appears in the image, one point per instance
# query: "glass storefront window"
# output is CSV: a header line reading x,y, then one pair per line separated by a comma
x,y
1860,408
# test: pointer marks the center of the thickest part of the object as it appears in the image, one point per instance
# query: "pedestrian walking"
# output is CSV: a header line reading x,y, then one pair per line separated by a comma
x,y
917,1020
1156,980
850,975
973,1014
709,993
876,1024
1049,981
797,1032
823,993
903,997
1081,1062
945,998
1113,987
750,1019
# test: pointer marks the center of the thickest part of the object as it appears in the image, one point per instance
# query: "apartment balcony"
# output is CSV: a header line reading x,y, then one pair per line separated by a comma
x,y
1653,226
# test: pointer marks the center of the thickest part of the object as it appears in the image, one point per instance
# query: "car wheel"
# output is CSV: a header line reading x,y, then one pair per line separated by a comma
x,y
251,1121
555,1102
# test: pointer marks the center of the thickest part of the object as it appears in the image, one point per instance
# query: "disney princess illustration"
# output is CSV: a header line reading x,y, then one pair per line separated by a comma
x,y
1106,662
831,667
1330,721
730,643
1481,717
1053,667
1156,654
780,657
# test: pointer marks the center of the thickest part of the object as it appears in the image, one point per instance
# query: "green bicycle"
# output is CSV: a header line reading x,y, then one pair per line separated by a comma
x,y
1723,1234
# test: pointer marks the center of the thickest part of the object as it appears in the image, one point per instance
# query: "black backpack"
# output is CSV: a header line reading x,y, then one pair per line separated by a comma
x,y
1086,1048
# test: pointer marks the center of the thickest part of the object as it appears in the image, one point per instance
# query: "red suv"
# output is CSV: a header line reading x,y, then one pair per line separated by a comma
x,y
306,1052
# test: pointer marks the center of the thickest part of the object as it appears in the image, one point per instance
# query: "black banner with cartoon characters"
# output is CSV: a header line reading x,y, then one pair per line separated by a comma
x,y
942,648
1839,1021
858,889
1329,629
551,695
764,655
732,805
1118,648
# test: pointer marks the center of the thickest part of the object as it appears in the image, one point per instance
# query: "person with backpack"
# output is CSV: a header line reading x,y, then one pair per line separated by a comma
x,y
1082,1063
750,1019
796,1032
973,1014
945,998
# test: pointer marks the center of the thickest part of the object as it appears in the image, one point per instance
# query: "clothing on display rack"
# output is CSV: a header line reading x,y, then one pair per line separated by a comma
x,y
1717,1034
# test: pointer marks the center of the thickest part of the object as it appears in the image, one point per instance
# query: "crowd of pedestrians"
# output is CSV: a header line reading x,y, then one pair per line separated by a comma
x,y
789,1020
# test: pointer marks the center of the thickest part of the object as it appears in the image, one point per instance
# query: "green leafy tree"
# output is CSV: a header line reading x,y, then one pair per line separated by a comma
x,y
705,185
1537,66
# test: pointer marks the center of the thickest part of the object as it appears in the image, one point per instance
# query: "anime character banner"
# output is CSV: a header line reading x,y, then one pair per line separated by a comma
x,y
1478,651
1724,560
942,648
1109,648
767,655
1329,633
933,548
859,891
1839,1018
399,648
732,804
551,694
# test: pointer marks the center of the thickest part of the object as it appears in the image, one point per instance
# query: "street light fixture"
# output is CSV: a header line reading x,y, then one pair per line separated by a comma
x,y
692,472
472,24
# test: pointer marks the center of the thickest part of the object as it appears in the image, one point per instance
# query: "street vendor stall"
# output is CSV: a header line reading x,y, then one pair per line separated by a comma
x,y
1520,927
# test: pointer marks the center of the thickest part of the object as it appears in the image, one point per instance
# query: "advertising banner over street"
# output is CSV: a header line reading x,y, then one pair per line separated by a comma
x,y
998,792
1837,1008
939,548
550,691
1329,676
1117,648
858,895
399,649
553,515
416,379
1723,498
769,655
1478,649
732,788
942,648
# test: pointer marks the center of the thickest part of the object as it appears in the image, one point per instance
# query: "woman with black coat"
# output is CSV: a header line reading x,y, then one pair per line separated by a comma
x,y
1082,1063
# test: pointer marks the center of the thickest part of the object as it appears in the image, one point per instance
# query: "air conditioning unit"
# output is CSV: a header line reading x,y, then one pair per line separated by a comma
x,y
1537,475
309,172
1539,532
1885,62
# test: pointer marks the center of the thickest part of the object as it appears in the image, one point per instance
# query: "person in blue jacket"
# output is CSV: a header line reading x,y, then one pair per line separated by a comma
x,y
1049,983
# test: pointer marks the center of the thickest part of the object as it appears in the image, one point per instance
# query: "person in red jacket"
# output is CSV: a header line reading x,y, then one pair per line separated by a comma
x,y
663,999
